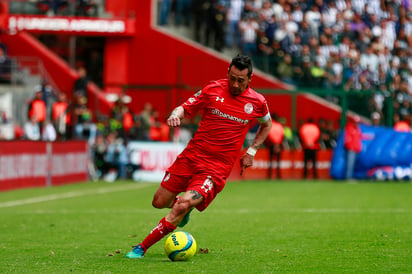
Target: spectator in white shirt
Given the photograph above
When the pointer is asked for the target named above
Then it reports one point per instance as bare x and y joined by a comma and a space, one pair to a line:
313, 17
48, 131
369, 60
329, 14
249, 27
32, 129
233, 17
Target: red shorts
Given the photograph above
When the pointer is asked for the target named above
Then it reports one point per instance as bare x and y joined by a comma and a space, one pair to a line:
206, 183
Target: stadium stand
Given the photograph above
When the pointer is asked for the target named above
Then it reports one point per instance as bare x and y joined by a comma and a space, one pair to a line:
358, 46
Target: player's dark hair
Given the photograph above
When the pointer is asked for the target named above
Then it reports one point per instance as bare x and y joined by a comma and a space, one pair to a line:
241, 62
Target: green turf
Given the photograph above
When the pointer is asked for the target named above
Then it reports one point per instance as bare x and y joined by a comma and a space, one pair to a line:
252, 227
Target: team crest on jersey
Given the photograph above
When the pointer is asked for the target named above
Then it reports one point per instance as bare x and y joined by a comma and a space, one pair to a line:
248, 108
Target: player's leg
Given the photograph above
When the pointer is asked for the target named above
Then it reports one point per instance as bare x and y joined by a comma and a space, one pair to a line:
314, 164
158, 232
166, 225
164, 198
199, 194
179, 215
305, 162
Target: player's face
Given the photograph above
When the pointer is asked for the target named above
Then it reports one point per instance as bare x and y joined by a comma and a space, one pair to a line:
238, 80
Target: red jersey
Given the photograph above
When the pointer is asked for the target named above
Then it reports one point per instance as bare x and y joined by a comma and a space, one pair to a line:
38, 108
310, 134
353, 137
225, 122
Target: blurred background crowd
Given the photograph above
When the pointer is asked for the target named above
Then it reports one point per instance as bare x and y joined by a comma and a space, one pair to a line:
358, 46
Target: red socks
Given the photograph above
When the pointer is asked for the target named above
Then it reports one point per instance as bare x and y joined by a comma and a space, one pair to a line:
157, 233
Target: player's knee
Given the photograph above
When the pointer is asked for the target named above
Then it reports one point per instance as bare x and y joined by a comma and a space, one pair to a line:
158, 202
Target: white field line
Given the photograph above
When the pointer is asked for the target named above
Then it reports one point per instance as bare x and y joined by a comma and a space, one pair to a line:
71, 194
316, 210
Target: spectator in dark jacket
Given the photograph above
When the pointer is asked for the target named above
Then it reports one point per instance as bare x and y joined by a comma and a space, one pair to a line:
80, 85
5, 67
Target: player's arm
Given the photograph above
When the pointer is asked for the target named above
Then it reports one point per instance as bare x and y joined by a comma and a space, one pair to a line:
263, 131
176, 116
262, 134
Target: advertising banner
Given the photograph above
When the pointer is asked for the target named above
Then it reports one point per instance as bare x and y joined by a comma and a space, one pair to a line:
34, 164
71, 25
22, 164
152, 159
386, 155
69, 162
291, 166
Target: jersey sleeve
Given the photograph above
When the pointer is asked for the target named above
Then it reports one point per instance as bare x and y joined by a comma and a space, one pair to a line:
195, 103
265, 113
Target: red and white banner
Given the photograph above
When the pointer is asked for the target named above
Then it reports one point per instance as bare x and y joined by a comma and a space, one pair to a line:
291, 166
72, 25
69, 162
34, 164
154, 158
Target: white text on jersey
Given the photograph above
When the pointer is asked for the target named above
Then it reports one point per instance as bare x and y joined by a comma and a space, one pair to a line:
228, 116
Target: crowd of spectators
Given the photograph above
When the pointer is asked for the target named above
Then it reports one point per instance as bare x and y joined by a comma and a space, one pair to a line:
361, 46
66, 7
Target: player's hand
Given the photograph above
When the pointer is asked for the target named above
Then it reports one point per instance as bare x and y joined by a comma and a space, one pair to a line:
245, 161
173, 121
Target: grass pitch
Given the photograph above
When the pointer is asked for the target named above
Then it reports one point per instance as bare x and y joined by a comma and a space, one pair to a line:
251, 227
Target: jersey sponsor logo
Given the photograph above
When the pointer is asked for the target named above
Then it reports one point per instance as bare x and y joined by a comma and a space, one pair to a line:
248, 108
228, 116
220, 99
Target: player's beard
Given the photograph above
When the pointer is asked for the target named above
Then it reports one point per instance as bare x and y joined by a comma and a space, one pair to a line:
235, 91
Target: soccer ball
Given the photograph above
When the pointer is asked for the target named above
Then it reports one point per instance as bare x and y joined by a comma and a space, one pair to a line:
180, 246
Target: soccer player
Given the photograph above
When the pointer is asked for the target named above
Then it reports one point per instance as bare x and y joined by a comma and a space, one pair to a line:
201, 170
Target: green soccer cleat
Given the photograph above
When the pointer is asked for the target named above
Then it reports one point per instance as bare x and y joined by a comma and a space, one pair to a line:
185, 220
136, 253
